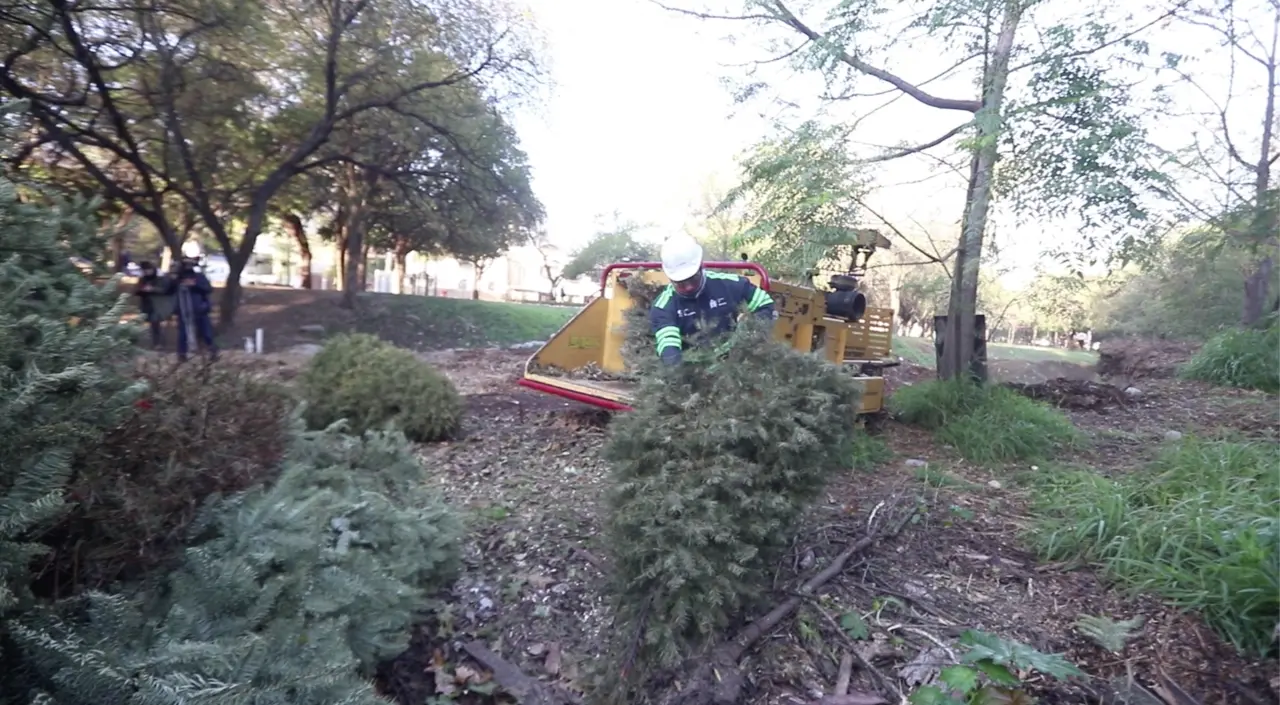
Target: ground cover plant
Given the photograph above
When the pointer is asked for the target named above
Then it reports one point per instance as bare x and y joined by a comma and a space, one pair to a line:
987, 423
1248, 358
1198, 526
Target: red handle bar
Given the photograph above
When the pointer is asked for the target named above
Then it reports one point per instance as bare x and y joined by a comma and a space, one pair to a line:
609, 269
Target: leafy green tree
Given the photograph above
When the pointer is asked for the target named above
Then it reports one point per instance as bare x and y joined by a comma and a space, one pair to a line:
1042, 98
1188, 288
1061, 303
797, 199
1232, 158
718, 229
192, 116
617, 243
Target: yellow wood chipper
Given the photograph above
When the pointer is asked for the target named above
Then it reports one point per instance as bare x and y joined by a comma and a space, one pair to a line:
837, 323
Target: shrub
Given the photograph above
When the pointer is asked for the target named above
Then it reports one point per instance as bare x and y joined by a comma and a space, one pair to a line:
288, 595
370, 383
1248, 358
1198, 526
198, 433
709, 473
987, 423
62, 344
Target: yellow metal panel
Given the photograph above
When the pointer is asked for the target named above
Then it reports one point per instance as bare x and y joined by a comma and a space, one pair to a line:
580, 342
872, 394
872, 337
835, 340
798, 302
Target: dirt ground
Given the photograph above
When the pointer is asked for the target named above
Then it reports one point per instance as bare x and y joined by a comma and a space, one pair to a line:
527, 472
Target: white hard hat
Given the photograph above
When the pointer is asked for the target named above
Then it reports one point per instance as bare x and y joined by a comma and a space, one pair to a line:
681, 257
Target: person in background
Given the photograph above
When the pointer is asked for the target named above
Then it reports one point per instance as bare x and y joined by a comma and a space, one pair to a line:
150, 285
193, 304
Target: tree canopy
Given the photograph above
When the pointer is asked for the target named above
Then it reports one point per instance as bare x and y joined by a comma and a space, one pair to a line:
618, 242
201, 114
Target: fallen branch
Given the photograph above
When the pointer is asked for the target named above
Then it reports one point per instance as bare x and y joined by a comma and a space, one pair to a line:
718, 681
844, 674
526, 690
886, 685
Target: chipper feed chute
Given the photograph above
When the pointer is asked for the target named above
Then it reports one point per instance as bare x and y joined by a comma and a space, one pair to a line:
583, 360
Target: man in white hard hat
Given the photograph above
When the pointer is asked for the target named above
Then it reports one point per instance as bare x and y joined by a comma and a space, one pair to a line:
698, 301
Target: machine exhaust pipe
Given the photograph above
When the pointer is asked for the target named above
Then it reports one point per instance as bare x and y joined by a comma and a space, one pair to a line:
849, 305
846, 301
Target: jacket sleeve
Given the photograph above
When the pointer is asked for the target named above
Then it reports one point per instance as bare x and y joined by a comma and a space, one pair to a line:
757, 300
666, 333
203, 285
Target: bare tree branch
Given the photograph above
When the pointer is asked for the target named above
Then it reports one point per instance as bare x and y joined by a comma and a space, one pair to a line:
908, 151
710, 16
939, 260
780, 13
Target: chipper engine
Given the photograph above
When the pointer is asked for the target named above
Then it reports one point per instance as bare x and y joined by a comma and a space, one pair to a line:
584, 362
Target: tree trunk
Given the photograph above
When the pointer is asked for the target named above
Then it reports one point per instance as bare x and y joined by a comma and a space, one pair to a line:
364, 266
293, 222
1257, 291
355, 247
230, 302
479, 272
401, 257
237, 259
1263, 225
957, 353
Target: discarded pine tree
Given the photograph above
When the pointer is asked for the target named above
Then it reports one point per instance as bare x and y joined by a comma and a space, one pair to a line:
710, 472
289, 594
371, 384
63, 346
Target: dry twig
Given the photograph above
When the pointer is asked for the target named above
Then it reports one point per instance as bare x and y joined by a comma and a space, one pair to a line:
718, 680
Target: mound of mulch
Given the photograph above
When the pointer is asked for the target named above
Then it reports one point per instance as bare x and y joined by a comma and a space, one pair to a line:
1143, 358
1078, 394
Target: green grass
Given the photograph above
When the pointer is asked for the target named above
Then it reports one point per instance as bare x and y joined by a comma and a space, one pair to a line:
867, 451
1243, 358
986, 424
468, 323
919, 351
1199, 527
